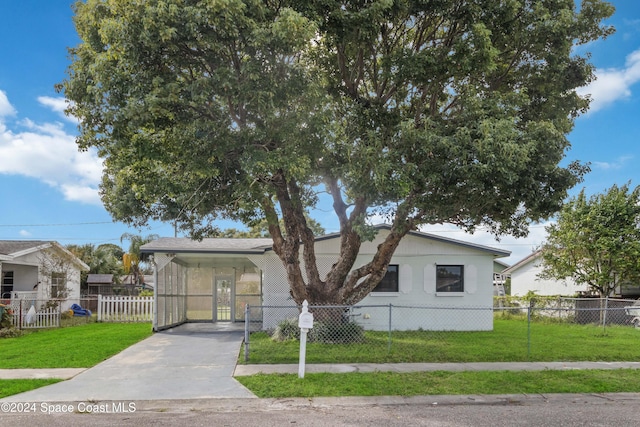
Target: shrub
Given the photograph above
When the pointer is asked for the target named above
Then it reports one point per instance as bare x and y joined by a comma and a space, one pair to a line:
10, 332
286, 330
336, 333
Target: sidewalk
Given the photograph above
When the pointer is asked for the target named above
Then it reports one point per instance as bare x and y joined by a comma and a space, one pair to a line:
244, 370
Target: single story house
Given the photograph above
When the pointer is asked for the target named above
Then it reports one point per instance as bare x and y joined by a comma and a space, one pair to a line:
525, 278
39, 271
100, 284
212, 281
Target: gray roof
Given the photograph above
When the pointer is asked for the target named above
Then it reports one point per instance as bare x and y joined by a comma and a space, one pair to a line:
100, 278
223, 245
524, 261
241, 245
8, 247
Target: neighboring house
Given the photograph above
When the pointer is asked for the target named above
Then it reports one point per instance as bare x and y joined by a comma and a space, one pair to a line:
524, 279
39, 271
129, 282
104, 284
100, 284
212, 280
499, 279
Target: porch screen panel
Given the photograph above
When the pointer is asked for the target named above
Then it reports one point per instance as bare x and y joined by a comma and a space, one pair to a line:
170, 296
248, 291
199, 297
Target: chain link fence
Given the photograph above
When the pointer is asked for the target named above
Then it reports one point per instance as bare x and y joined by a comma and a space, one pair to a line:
558, 329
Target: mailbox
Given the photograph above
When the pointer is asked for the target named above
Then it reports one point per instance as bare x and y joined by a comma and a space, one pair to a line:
305, 320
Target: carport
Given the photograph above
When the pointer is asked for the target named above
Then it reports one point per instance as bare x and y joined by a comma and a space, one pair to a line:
205, 281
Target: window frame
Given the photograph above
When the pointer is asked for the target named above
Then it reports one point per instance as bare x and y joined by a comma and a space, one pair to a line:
460, 283
6, 285
389, 277
58, 285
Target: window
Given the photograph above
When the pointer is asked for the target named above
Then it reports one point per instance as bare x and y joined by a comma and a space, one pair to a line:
389, 282
6, 287
58, 285
449, 278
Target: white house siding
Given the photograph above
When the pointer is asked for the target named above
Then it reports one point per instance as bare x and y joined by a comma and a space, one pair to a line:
27, 274
417, 258
525, 278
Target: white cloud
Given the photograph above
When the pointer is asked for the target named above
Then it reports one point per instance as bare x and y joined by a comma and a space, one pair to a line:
613, 84
6, 109
58, 105
24, 233
619, 163
47, 153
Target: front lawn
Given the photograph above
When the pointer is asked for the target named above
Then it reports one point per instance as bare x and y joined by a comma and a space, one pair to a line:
508, 342
79, 346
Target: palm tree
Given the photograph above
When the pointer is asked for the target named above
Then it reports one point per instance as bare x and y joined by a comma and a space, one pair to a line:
133, 261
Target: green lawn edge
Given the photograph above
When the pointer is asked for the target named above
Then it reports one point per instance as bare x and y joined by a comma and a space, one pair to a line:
442, 383
11, 387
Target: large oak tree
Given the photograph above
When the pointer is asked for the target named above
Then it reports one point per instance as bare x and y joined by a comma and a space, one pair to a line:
420, 111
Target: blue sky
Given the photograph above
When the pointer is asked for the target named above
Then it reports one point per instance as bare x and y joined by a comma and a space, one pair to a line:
48, 190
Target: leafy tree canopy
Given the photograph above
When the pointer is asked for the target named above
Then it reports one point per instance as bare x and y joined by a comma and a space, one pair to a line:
596, 240
418, 111
104, 259
261, 230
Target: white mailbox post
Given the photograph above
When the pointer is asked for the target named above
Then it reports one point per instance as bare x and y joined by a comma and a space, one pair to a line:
305, 322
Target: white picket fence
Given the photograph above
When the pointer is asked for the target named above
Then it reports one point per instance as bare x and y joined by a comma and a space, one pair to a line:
124, 309
38, 318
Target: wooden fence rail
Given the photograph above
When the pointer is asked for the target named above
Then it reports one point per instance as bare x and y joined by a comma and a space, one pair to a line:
125, 309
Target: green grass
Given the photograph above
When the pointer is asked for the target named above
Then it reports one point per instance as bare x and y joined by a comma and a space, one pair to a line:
441, 383
79, 346
11, 387
507, 342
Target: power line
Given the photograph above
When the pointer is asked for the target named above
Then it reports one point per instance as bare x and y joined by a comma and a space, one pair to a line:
56, 225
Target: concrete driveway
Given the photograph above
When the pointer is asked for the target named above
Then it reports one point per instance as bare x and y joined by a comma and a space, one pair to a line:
192, 361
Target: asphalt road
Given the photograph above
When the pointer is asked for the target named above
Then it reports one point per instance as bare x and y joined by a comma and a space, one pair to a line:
618, 410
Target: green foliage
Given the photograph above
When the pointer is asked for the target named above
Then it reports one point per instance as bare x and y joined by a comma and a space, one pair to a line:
336, 333
146, 293
596, 240
103, 259
417, 112
286, 330
322, 332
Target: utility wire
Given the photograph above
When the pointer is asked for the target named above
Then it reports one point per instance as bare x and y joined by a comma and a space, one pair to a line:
55, 225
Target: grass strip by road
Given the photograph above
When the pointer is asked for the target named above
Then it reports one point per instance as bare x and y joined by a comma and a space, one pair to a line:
442, 383
11, 387
79, 346
507, 342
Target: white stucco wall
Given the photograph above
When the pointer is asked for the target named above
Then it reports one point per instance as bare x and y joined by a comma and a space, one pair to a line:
525, 278
30, 273
417, 258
